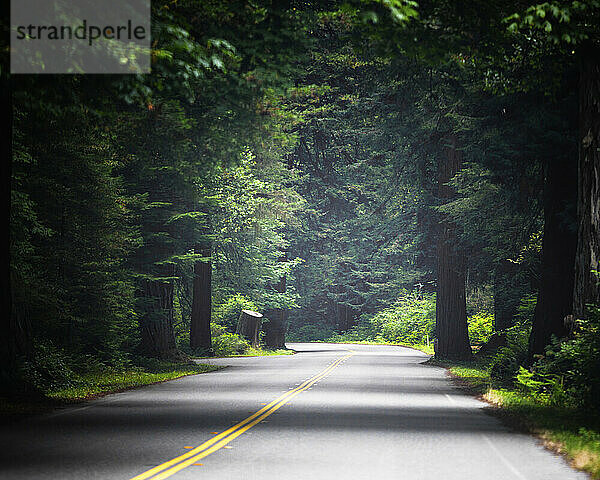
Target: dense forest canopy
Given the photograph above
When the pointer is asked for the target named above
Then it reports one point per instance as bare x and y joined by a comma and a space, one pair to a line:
419, 172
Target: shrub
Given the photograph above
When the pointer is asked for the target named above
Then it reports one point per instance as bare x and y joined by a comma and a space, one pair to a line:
226, 343
227, 313
310, 333
480, 327
505, 364
48, 367
575, 363
410, 320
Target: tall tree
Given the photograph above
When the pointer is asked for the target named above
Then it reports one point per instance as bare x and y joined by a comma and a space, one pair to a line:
451, 317
555, 297
587, 286
200, 334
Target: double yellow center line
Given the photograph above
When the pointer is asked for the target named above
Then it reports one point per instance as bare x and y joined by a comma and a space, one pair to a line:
171, 467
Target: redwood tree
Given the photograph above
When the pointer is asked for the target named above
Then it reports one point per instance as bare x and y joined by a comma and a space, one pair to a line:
555, 294
200, 335
587, 287
450, 315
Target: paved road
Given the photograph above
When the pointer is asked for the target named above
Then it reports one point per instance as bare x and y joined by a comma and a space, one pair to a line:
323, 414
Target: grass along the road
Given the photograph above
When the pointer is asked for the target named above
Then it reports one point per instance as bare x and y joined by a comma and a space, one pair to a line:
254, 352
265, 352
93, 384
96, 383
576, 434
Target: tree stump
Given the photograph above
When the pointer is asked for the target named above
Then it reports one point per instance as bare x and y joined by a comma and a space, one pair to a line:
275, 328
249, 326
200, 336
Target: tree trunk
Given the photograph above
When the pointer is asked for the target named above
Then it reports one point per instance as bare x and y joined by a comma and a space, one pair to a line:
450, 309
156, 326
555, 295
200, 336
276, 326
249, 326
15, 342
586, 288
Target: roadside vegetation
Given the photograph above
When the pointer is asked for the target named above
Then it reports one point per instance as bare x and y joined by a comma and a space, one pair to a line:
75, 384
555, 397
409, 321
92, 384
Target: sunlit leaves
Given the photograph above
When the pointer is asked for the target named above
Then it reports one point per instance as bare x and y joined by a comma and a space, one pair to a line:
564, 22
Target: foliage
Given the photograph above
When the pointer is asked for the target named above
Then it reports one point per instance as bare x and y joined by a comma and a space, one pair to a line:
49, 368
569, 373
113, 380
410, 320
226, 343
227, 314
505, 364
310, 332
480, 327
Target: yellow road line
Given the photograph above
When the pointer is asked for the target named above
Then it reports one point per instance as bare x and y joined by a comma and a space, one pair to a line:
171, 467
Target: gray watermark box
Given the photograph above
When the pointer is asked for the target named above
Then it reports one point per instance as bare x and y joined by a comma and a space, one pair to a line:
80, 36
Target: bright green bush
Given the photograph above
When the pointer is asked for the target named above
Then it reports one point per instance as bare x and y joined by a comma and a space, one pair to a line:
226, 343
227, 313
410, 320
480, 327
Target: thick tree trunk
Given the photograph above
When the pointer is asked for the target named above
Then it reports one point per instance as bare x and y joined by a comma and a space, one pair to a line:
586, 288
276, 326
450, 310
156, 326
249, 326
200, 336
555, 295
17, 344
14, 344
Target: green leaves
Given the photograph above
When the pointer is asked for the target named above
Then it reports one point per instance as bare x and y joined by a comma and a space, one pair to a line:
401, 10
564, 22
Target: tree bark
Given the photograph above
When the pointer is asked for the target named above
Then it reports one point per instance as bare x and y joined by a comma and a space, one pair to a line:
200, 335
17, 328
450, 309
156, 326
276, 326
249, 326
586, 287
555, 294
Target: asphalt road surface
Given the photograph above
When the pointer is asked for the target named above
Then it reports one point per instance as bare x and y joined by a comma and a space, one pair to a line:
329, 412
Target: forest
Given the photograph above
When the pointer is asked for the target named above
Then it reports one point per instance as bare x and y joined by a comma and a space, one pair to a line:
423, 173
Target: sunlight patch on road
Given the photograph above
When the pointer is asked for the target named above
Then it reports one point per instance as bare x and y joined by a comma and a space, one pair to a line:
173, 466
